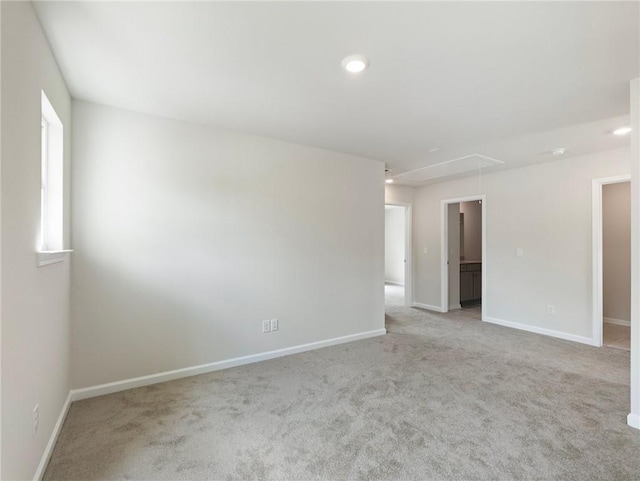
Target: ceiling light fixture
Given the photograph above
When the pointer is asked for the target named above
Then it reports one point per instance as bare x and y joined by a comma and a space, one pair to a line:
355, 63
622, 131
389, 181
558, 151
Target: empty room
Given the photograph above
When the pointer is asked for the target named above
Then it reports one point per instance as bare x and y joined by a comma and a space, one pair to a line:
319, 240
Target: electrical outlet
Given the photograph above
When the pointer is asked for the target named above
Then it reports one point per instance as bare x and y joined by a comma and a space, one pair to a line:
551, 310
36, 418
266, 326
274, 324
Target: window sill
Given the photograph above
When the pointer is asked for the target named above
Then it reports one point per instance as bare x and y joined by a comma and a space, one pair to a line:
45, 258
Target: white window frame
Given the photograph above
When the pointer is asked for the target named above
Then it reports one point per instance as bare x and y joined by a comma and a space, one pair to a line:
44, 155
50, 245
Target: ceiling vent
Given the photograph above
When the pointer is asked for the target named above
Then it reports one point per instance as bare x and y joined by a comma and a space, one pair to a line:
468, 163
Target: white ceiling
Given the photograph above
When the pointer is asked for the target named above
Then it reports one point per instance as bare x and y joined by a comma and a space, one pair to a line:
505, 80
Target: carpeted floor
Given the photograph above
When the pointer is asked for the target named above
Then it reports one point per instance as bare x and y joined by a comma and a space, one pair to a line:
439, 397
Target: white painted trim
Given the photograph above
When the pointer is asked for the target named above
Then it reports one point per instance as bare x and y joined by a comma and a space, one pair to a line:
444, 241
596, 252
633, 420
394, 283
634, 372
485, 300
444, 256
427, 306
48, 451
596, 261
617, 322
44, 258
541, 330
112, 387
408, 250
1, 396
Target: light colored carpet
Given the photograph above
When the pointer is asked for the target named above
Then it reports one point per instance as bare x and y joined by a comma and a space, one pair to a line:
439, 397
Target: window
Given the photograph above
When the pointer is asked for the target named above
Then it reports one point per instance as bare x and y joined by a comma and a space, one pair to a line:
50, 248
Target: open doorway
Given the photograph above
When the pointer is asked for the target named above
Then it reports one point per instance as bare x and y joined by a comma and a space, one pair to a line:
398, 272
463, 259
471, 254
612, 262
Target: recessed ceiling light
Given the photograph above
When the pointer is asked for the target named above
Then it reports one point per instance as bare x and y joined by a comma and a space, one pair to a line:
622, 131
389, 181
558, 151
355, 63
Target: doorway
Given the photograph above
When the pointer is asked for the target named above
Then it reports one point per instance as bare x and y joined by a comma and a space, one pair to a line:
463, 254
471, 254
398, 245
612, 262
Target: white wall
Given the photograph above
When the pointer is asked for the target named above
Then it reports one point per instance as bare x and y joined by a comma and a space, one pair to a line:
187, 237
35, 301
546, 210
616, 251
398, 193
472, 230
394, 244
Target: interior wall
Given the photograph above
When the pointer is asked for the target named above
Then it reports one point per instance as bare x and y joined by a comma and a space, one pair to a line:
616, 251
35, 300
398, 193
472, 230
188, 237
546, 210
394, 244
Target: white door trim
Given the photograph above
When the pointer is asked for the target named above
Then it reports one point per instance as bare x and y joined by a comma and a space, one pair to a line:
596, 235
408, 250
444, 242
634, 415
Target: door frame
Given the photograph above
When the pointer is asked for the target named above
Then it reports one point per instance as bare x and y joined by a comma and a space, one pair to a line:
597, 252
408, 249
444, 245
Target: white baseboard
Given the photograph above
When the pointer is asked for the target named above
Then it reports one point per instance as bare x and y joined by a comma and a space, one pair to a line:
457, 306
541, 330
427, 306
48, 451
617, 322
93, 391
394, 283
633, 420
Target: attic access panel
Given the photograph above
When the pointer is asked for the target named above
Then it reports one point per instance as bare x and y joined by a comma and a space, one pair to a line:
461, 165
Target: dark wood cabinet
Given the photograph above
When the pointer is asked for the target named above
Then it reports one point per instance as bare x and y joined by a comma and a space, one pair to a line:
470, 281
